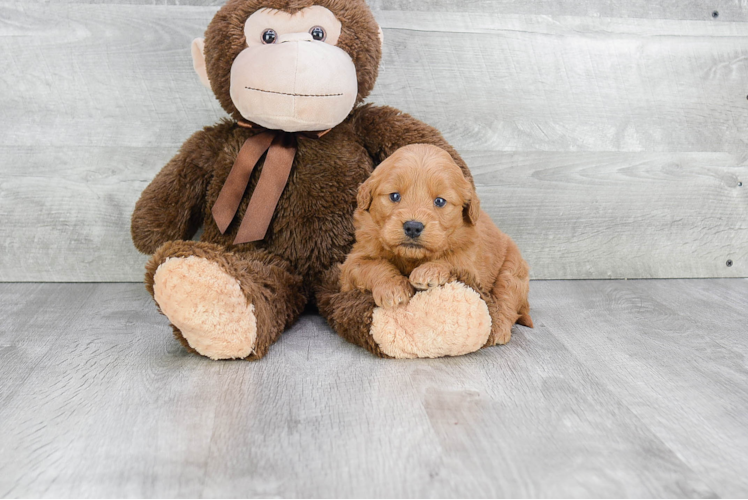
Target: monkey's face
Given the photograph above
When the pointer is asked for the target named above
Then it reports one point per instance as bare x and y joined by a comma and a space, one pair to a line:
292, 76
292, 65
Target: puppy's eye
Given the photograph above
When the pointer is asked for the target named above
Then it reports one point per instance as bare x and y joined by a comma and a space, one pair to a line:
440, 202
318, 33
269, 37
395, 197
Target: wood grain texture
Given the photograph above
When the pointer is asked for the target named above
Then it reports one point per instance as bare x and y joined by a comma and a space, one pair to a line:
619, 215
574, 215
66, 211
576, 106
623, 389
681, 343
728, 10
530, 83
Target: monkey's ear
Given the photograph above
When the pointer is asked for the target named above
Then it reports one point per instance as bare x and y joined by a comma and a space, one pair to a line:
364, 195
198, 61
381, 37
471, 210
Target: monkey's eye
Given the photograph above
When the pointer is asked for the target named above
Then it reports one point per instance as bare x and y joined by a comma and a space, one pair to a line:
318, 33
440, 202
269, 37
395, 197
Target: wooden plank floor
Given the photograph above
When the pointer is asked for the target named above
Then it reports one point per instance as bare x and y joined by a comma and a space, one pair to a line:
625, 388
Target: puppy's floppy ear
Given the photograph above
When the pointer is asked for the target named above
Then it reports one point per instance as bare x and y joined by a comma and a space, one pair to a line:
364, 194
471, 208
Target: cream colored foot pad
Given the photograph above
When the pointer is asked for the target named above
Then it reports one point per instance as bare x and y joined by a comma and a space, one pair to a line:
208, 307
450, 320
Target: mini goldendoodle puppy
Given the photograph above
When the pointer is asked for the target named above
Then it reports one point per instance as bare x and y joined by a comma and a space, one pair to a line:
419, 225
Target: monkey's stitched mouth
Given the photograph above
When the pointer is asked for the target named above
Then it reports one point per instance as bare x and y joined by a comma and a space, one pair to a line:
293, 95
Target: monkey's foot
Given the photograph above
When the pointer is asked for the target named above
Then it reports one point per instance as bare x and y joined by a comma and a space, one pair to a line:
450, 320
207, 305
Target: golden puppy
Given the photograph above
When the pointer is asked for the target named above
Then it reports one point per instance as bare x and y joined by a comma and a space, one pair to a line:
419, 225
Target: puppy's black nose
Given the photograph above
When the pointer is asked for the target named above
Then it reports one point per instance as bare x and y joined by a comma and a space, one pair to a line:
413, 229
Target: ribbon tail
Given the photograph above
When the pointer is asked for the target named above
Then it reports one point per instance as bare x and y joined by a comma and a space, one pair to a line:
269, 188
230, 197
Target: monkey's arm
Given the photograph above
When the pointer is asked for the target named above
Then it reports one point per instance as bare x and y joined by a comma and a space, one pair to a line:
387, 285
171, 207
384, 130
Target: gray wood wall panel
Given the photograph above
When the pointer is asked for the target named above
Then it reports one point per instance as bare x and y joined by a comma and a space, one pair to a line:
619, 215
570, 84
607, 146
728, 10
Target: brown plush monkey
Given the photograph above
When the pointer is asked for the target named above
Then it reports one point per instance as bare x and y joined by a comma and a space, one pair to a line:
275, 189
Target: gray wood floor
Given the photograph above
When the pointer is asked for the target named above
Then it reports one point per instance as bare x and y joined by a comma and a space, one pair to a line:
625, 388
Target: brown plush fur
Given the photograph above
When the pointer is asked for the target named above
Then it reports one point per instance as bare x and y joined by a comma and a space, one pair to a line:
458, 239
265, 280
312, 228
349, 313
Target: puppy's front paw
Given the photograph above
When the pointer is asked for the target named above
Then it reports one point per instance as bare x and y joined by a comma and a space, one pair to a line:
430, 275
392, 293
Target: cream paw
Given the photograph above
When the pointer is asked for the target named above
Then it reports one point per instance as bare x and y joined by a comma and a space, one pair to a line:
208, 307
450, 320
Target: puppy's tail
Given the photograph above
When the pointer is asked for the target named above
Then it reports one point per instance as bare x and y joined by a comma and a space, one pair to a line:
524, 316
526, 320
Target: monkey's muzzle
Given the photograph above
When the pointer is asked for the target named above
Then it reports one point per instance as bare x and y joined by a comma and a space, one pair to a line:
295, 85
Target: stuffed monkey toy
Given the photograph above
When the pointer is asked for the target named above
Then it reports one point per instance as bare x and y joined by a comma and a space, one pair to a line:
275, 186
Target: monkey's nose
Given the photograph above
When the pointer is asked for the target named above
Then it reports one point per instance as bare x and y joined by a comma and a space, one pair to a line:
296, 37
413, 229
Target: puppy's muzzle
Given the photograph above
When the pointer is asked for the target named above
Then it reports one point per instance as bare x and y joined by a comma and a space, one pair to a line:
413, 229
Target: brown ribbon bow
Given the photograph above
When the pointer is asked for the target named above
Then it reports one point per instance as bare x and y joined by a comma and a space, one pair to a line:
281, 151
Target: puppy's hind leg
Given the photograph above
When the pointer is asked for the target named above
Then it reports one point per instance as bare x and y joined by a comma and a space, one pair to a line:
509, 304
